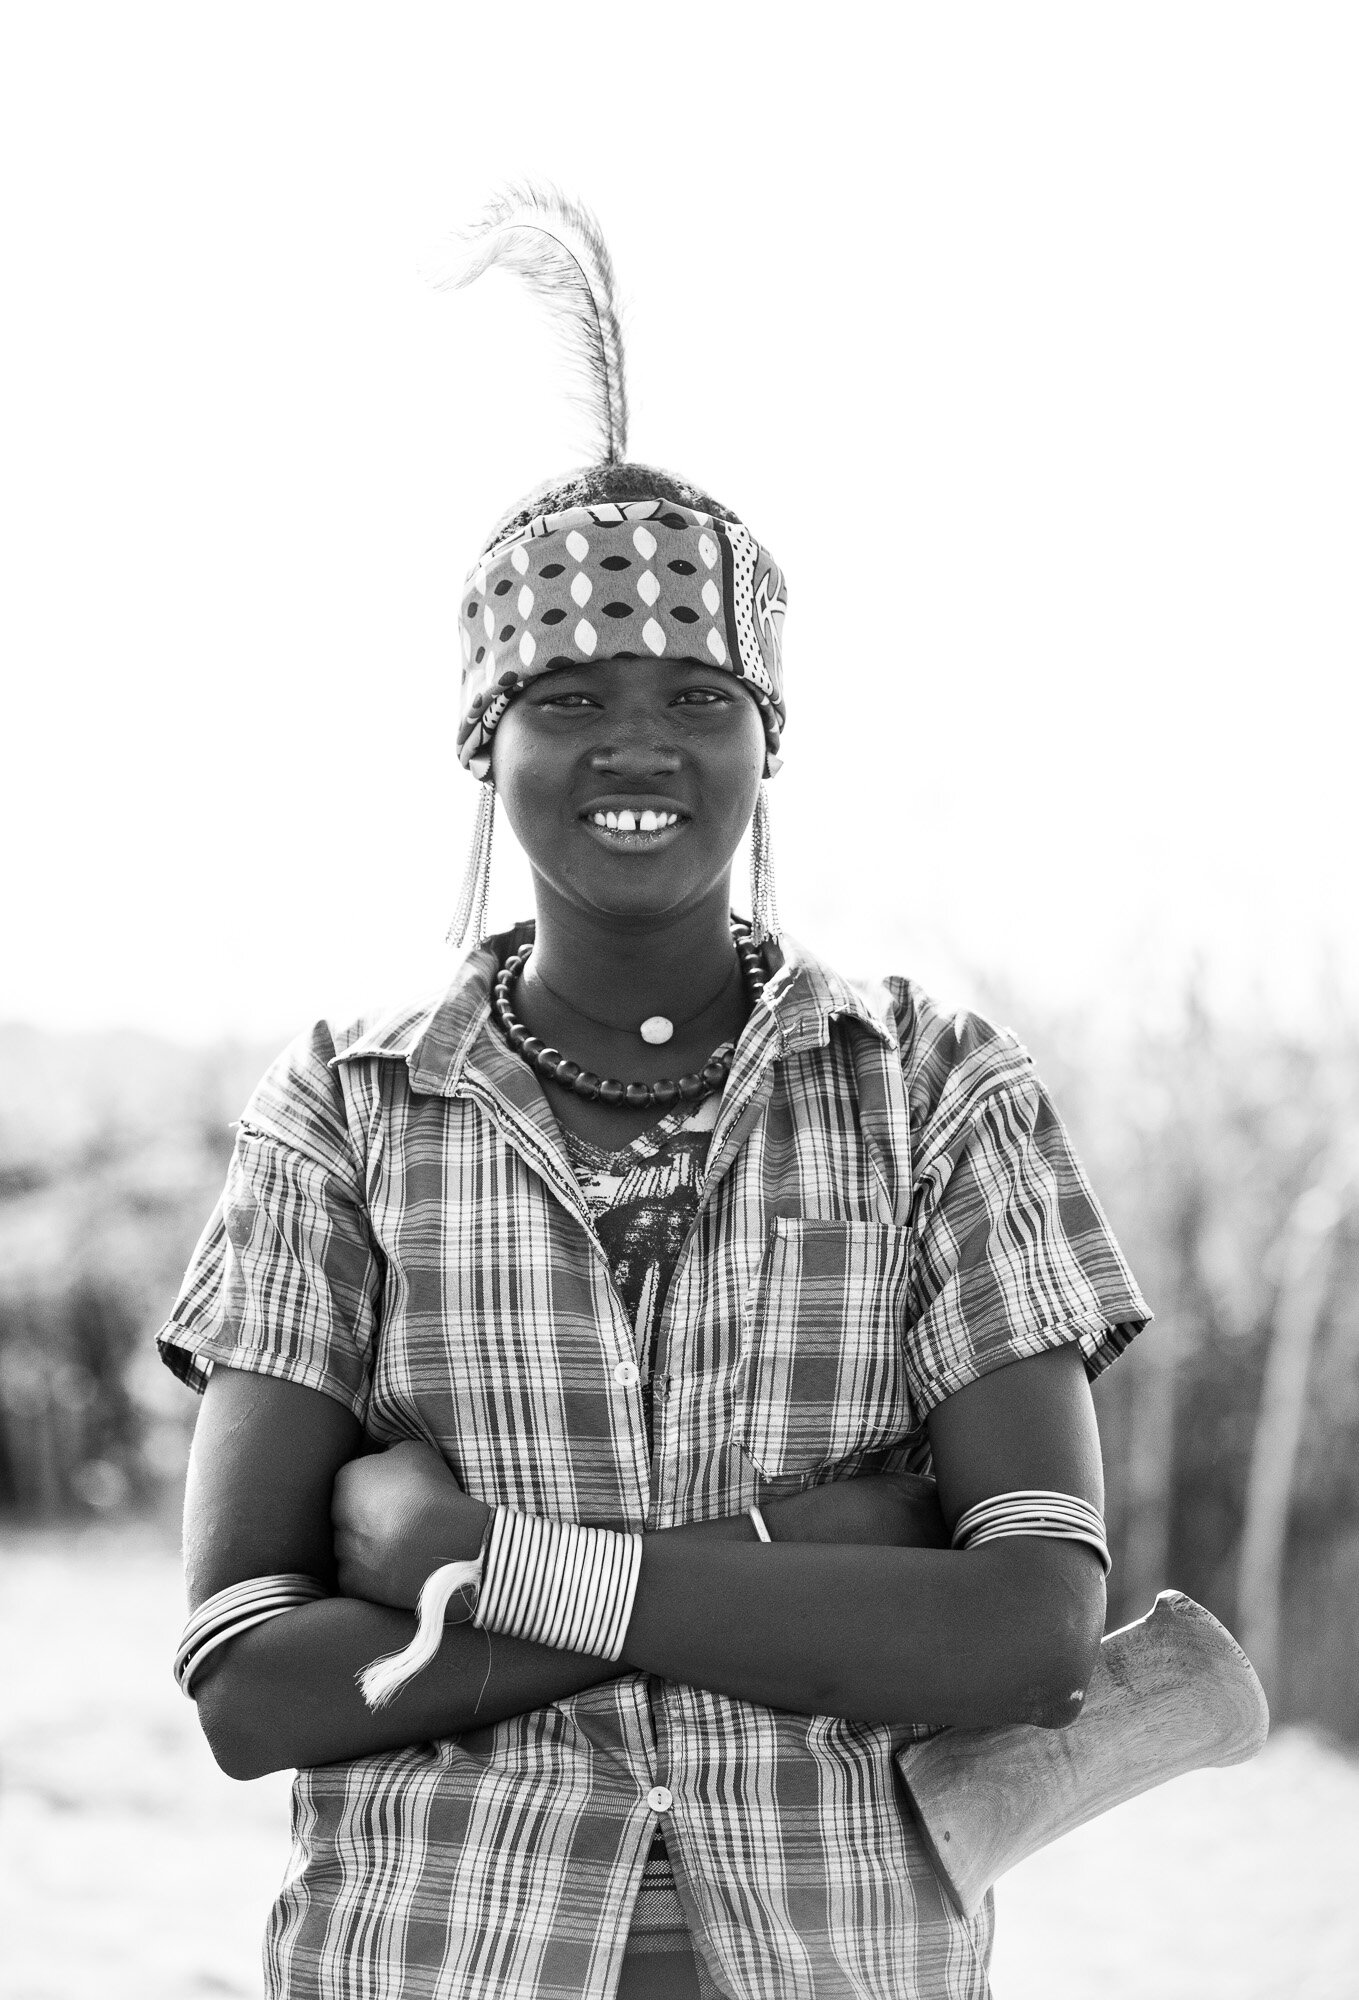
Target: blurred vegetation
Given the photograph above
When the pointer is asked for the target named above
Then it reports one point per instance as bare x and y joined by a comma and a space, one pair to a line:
1226, 1153
1227, 1156
112, 1152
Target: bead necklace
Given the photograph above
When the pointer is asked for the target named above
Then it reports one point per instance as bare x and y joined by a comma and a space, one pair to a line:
661, 1094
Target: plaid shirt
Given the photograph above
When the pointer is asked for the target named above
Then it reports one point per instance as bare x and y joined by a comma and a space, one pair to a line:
891, 1208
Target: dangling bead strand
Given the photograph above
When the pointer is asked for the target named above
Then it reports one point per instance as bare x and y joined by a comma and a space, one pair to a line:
764, 908
469, 918
661, 1094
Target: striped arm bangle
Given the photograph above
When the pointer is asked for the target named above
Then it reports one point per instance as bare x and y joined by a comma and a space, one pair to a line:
1031, 1511
761, 1530
234, 1610
558, 1584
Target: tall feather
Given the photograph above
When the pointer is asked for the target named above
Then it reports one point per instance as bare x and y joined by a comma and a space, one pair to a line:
556, 246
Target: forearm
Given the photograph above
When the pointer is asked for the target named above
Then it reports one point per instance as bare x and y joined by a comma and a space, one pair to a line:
284, 1695
1004, 1634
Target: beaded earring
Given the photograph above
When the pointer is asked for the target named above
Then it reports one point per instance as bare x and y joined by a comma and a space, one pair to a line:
469, 917
764, 908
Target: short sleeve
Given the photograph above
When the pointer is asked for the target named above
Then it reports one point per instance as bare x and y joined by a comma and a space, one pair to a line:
1011, 1254
286, 1279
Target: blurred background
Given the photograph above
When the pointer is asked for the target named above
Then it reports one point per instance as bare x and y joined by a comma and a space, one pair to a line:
1025, 336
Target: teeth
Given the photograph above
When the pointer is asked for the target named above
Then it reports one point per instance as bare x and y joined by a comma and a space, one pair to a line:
630, 822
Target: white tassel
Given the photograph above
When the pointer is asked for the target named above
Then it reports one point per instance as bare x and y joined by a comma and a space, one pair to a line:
382, 1679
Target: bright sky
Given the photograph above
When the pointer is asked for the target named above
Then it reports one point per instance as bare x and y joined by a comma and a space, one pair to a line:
1024, 336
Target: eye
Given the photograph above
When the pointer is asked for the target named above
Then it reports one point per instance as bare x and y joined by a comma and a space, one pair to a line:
566, 698
703, 697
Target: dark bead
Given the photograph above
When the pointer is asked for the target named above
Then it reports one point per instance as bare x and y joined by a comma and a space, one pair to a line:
532, 1047
518, 1035
547, 1063
637, 1096
611, 1091
664, 1093
567, 1072
690, 1088
714, 1075
586, 1084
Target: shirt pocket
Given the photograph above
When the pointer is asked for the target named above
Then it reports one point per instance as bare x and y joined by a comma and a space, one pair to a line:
822, 1374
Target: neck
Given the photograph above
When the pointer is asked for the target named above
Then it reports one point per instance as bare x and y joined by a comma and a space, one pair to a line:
619, 970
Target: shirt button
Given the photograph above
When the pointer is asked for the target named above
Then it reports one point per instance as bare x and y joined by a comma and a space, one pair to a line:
659, 1799
627, 1374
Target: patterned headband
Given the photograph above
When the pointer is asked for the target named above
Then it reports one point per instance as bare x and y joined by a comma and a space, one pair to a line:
643, 577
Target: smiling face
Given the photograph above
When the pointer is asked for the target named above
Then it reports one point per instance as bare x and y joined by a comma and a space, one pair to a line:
585, 754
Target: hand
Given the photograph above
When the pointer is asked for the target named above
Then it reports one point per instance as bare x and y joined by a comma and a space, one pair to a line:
397, 1515
880, 1509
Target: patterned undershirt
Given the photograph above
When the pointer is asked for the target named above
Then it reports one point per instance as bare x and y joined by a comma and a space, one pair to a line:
642, 1201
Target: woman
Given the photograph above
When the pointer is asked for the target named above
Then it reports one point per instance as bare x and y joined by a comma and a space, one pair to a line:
649, 1240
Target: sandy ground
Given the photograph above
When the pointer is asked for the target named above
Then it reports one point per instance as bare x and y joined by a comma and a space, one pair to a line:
130, 1869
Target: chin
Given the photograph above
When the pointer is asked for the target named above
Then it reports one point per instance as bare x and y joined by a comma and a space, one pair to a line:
636, 902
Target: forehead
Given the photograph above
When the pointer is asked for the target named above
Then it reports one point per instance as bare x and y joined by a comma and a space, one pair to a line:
632, 671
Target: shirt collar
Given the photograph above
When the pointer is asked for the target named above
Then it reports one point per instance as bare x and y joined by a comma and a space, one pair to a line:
804, 996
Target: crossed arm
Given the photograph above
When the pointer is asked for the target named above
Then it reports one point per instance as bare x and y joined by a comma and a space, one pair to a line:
858, 1608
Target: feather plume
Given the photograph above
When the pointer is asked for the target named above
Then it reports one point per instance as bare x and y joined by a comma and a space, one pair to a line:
556, 246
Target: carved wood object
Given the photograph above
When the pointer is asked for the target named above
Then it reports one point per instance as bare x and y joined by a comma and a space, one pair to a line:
1170, 1694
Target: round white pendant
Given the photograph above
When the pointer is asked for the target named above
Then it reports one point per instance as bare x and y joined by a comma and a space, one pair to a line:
657, 1029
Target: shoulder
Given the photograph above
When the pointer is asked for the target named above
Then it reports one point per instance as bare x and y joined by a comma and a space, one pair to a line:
954, 1062
965, 1075
335, 1073
948, 1055
953, 1059
309, 1096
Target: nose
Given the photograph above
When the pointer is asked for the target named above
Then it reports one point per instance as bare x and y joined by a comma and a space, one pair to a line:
635, 760
637, 748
